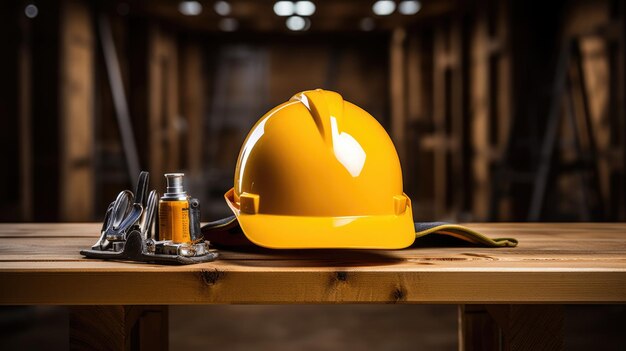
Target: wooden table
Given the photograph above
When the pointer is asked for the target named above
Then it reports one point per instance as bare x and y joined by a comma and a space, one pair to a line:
508, 297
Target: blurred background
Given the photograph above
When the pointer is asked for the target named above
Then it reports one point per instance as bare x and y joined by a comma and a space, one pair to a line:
499, 110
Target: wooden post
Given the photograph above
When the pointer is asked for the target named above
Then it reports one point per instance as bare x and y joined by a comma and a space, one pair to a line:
491, 104
449, 118
440, 105
192, 107
76, 112
119, 328
163, 111
511, 327
25, 121
398, 94
477, 329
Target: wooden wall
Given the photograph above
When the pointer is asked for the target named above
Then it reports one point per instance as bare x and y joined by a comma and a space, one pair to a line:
465, 96
473, 91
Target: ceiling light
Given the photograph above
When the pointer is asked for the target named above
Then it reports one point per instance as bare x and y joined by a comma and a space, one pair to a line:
409, 7
228, 24
384, 7
31, 11
297, 23
222, 8
284, 8
304, 8
190, 8
367, 24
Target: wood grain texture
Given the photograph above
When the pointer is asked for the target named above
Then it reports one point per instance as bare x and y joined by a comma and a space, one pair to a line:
554, 263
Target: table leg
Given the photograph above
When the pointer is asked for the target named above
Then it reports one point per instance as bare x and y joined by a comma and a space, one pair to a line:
119, 328
510, 327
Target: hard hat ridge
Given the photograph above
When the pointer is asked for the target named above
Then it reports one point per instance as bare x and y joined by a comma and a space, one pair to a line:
323, 105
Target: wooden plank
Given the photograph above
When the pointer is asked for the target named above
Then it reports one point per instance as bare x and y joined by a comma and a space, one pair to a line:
118, 327
605, 252
568, 233
301, 285
561, 263
76, 106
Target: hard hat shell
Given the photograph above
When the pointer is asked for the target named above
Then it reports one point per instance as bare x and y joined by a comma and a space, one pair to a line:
320, 172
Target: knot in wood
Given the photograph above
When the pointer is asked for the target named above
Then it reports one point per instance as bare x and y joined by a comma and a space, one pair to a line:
398, 294
341, 276
210, 277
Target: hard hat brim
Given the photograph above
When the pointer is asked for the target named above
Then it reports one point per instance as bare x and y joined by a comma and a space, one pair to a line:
308, 232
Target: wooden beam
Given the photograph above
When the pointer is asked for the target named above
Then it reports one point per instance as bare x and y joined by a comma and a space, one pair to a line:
76, 112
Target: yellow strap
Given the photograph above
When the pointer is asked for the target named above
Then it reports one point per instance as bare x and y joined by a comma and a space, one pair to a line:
467, 234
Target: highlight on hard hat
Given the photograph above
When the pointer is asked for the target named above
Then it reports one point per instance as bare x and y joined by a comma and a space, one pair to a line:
319, 172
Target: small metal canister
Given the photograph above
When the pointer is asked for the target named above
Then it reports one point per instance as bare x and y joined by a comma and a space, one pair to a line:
174, 216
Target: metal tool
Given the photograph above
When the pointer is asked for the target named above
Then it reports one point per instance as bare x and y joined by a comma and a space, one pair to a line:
128, 231
114, 224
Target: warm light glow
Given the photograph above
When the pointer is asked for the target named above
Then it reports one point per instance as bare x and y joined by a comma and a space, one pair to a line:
284, 8
296, 23
222, 8
190, 8
384, 7
228, 24
31, 11
409, 7
304, 8
367, 24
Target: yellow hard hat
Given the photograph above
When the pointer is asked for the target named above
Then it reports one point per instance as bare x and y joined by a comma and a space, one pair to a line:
320, 172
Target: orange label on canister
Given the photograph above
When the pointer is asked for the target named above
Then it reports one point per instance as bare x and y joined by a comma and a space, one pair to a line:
174, 221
